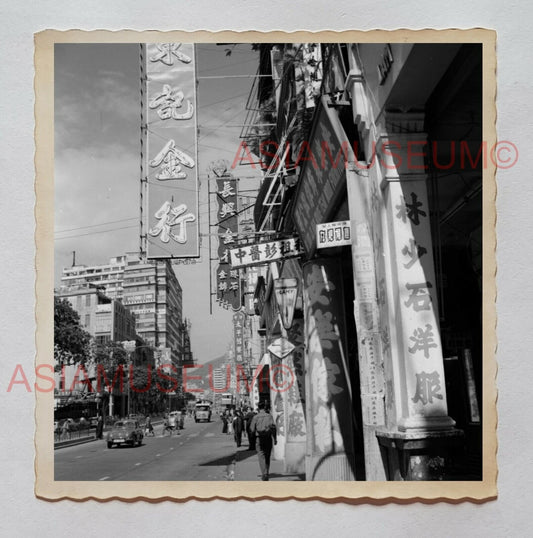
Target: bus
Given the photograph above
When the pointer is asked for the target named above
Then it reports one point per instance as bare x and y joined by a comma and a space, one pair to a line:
202, 411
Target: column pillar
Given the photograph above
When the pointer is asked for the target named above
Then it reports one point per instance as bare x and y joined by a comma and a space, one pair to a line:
422, 411
330, 446
278, 406
419, 350
294, 394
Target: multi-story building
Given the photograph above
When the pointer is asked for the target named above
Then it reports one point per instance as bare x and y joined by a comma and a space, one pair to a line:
147, 288
105, 318
151, 290
109, 276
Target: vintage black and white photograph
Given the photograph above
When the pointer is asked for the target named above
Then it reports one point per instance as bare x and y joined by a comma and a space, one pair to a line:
270, 262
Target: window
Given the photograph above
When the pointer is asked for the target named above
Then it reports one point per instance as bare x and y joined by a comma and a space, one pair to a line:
87, 320
87, 300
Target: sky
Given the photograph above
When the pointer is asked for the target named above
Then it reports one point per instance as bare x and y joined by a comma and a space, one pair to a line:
97, 163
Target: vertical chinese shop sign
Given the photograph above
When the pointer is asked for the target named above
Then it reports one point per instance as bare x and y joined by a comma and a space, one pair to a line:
171, 168
227, 279
238, 334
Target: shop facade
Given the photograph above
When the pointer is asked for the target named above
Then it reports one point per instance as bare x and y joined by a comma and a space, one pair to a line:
388, 327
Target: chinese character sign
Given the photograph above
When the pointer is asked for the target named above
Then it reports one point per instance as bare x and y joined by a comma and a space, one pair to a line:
170, 168
425, 385
238, 334
261, 253
228, 279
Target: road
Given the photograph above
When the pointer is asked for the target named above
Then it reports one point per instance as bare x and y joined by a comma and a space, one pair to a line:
200, 452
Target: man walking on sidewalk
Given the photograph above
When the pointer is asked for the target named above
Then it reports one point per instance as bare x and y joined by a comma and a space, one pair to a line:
264, 428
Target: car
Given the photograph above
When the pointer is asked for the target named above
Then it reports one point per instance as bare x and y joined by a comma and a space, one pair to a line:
125, 432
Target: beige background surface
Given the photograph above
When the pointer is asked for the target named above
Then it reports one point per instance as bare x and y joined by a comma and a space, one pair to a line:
508, 516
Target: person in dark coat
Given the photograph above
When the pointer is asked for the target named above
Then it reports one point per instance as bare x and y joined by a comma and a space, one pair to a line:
251, 435
99, 427
238, 427
224, 422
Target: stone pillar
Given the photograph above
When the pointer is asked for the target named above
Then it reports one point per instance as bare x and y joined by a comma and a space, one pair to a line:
278, 406
419, 350
330, 446
294, 394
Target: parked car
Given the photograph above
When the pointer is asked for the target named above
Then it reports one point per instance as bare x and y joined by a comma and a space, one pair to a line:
124, 432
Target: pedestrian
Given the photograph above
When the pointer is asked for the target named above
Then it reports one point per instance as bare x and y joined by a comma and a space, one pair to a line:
65, 429
248, 421
148, 427
224, 418
99, 427
230, 422
238, 426
265, 430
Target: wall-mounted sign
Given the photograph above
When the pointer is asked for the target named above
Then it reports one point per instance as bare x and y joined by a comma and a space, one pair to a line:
286, 290
261, 253
333, 234
169, 149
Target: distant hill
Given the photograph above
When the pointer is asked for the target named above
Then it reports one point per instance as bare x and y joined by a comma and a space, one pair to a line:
205, 370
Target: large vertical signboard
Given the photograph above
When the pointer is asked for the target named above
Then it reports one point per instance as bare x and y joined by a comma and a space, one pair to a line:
171, 157
228, 278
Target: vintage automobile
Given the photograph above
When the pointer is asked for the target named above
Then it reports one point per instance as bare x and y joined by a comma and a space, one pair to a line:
125, 432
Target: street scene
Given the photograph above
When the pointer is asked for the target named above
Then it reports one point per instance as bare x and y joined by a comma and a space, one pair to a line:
268, 262
199, 452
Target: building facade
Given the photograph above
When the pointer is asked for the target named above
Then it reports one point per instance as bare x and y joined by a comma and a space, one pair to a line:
379, 148
148, 289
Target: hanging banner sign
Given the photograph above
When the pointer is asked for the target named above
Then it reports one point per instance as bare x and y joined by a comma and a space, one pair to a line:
286, 290
333, 234
169, 160
229, 294
261, 253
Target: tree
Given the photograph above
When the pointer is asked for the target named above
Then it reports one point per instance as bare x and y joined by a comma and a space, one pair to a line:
71, 341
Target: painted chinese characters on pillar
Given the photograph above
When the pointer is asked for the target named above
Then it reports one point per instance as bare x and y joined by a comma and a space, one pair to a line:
425, 396
169, 106
296, 429
411, 211
428, 386
330, 408
228, 279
